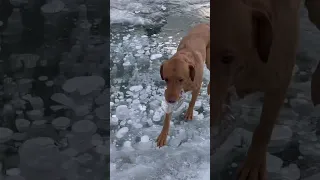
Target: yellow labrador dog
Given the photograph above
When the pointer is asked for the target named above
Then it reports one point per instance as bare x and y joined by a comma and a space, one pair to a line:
184, 72
253, 48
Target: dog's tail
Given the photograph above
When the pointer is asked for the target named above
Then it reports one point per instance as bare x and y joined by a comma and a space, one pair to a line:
315, 86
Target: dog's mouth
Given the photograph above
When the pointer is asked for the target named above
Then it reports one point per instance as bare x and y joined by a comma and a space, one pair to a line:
170, 107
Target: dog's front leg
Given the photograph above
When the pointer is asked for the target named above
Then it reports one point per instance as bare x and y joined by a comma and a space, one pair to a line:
162, 138
189, 113
254, 166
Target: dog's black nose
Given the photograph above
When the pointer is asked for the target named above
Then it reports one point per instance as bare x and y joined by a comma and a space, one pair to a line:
171, 101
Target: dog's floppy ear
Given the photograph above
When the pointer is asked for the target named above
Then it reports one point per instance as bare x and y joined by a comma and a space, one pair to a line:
161, 71
262, 32
192, 72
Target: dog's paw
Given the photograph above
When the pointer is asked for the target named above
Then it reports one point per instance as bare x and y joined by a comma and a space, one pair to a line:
189, 114
162, 139
254, 167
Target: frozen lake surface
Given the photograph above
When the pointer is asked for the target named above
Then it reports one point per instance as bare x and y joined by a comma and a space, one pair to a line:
143, 35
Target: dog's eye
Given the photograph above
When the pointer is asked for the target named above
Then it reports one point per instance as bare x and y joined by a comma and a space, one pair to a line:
180, 80
227, 59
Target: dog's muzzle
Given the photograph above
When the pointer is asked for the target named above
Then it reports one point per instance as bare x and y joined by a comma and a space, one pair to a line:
170, 107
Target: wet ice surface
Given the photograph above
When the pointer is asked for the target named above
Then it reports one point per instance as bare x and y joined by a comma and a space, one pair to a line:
137, 95
136, 113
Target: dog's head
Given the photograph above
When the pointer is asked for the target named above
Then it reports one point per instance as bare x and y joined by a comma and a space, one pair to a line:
176, 72
241, 35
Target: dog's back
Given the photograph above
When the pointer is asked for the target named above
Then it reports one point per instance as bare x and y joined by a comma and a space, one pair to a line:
197, 39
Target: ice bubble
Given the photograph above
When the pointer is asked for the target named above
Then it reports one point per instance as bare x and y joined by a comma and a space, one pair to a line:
144, 143
19, 136
83, 84
126, 63
42, 78
136, 88
122, 132
39, 124
114, 120
310, 149
49, 83
22, 125
127, 146
142, 108
33, 153
35, 114
274, 163
197, 105
63, 99
6, 134
291, 172
122, 123
200, 117
157, 115
13, 172
144, 138
155, 56
281, 135
84, 126
137, 125
122, 112
61, 123
36, 102
136, 102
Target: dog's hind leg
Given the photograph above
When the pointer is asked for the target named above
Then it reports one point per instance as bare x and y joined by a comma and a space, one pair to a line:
313, 7
315, 86
189, 113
